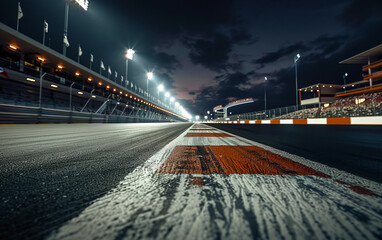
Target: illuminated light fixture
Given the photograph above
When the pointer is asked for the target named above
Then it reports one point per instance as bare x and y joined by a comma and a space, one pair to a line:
77, 74
93, 96
60, 67
120, 92
13, 47
100, 83
41, 59
330, 86
131, 96
172, 99
83, 3
326, 105
31, 80
89, 79
318, 90
114, 89
352, 85
80, 93
305, 90
54, 86
323, 85
150, 75
126, 95
130, 54
107, 86
316, 85
160, 87
117, 103
167, 94
135, 98
311, 90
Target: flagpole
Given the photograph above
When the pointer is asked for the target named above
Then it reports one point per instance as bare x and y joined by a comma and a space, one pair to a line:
18, 14
90, 62
78, 54
43, 36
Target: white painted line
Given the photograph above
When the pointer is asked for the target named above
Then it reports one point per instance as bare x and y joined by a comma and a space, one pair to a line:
317, 121
377, 120
286, 121
265, 121
252, 122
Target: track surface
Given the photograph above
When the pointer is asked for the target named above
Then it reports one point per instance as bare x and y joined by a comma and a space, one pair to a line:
50, 173
354, 149
173, 181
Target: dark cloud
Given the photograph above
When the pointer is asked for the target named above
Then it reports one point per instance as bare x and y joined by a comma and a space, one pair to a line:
359, 12
282, 52
191, 93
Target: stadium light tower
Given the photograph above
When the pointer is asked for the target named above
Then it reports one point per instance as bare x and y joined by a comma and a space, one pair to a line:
265, 94
84, 4
296, 58
129, 56
167, 95
149, 77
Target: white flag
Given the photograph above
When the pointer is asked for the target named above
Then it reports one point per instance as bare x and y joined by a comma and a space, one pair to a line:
102, 66
66, 41
79, 51
132, 85
20, 13
121, 78
45, 26
116, 74
91, 57
109, 70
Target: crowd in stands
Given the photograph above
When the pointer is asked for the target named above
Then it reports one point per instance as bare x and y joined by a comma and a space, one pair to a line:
369, 104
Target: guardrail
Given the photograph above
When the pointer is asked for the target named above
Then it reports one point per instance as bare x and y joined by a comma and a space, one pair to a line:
24, 114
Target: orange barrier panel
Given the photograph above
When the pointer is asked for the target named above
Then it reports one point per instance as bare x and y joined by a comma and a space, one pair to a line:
232, 160
300, 121
338, 121
246, 122
275, 121
258, 122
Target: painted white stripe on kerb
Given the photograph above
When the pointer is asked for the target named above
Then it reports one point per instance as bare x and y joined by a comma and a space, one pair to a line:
252, 122
286, 121
265, 121
366, 120
242, 122
317, 121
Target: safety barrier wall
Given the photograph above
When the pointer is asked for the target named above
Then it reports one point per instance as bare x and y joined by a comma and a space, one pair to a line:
23, 114
376, 120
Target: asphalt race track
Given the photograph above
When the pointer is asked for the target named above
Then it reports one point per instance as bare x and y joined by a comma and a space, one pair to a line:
176, 181
50, 173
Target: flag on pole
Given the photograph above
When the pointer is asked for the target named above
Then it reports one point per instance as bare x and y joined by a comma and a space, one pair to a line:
79, 51
66, 41
2, 71
91, 57
121, 78
116, 74
45, 26
109, 70
102, 66
20, 13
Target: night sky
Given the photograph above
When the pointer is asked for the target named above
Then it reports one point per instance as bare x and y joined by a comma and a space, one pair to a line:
209, 52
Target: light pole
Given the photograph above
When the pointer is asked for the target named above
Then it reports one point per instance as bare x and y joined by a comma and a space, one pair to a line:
265, 94
160, 89
129, 56
344, 77
296, 58
70, 98
167, 95
149, 77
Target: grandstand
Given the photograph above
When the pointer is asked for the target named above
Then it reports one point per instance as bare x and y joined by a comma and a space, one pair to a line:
361, 98
35, 76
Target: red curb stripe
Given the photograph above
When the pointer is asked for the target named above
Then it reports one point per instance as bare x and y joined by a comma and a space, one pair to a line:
196, 134
338, 121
